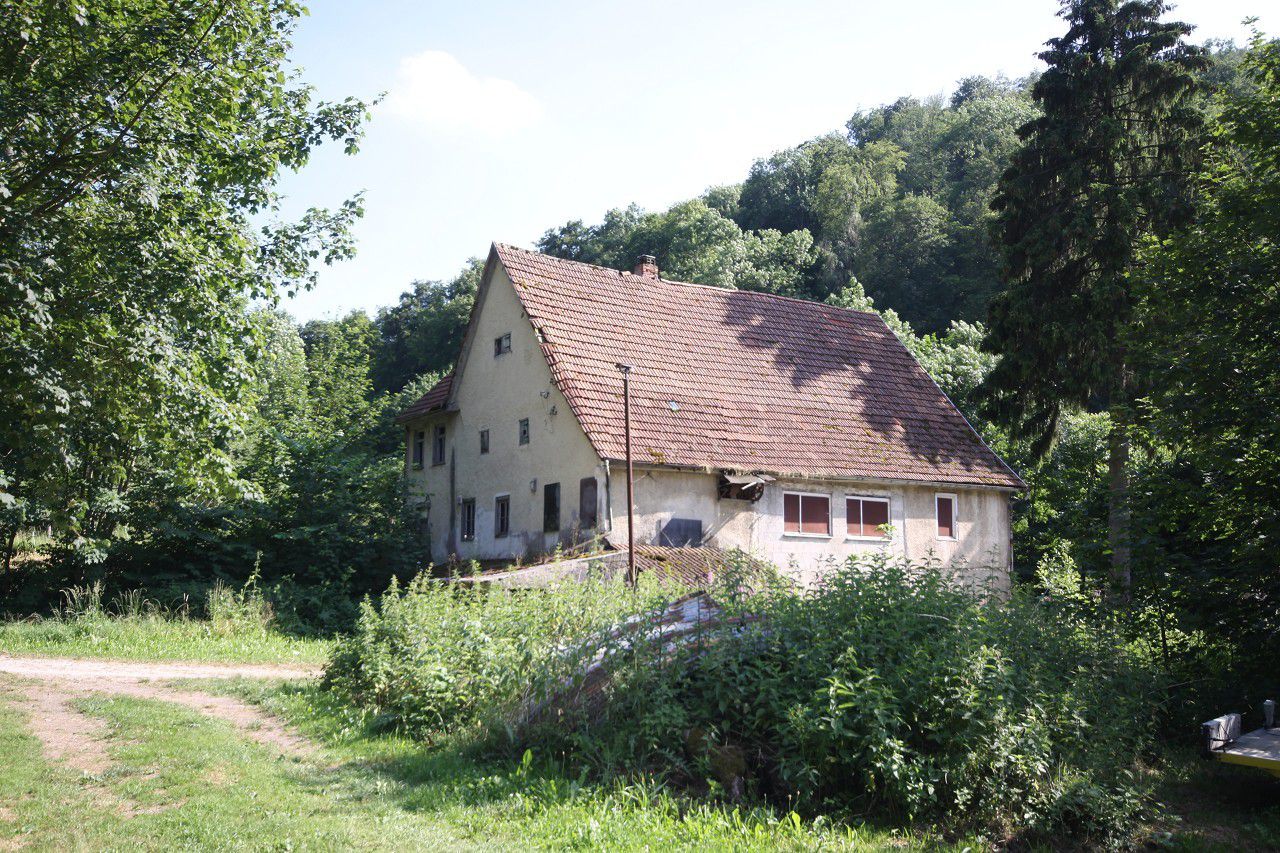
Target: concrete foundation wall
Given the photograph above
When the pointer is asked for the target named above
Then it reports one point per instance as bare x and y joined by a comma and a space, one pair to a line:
494, 393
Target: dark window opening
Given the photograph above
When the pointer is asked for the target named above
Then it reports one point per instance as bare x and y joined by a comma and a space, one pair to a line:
551, 507
524, 430
502, 344
437, 446
587, 503
809, 514
946, 517
484, 441
468, 519
501, 516
419, 448
866, 516
681, 532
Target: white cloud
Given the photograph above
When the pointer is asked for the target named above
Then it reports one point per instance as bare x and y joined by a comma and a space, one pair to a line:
434, 90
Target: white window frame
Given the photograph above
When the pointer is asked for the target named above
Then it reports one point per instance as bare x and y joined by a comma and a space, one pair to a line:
955, 516
857, 537
800, 534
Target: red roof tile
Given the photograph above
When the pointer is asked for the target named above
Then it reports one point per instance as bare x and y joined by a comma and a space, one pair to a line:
745, 381
432, 401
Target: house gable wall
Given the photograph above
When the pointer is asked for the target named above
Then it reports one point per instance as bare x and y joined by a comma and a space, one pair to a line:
495, 393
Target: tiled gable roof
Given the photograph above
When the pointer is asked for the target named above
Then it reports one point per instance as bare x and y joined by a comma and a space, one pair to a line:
743, 381
433, 401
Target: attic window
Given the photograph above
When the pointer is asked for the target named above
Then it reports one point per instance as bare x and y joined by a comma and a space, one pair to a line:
806, 515
502, 345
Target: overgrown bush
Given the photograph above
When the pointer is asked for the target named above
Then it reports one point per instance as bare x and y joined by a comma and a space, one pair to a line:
436, 656
892, 689
888, 690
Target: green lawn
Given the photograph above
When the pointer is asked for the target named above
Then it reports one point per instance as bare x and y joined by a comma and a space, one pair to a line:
155, 638
182, 780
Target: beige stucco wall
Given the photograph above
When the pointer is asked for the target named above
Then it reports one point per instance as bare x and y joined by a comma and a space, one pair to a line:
494, 393
981, 547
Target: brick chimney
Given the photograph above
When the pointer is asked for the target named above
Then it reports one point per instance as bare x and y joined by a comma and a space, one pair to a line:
647, 266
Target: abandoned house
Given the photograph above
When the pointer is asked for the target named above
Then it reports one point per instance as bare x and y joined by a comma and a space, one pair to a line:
793, 430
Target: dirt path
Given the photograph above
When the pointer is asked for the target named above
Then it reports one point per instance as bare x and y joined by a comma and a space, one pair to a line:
46, 689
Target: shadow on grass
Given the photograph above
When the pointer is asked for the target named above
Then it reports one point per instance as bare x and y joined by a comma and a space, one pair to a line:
463, 773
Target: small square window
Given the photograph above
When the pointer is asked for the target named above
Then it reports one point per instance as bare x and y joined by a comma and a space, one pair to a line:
469, 520
437, 446
502, 345
501, 516
946, 506
808, 515
484, 441
524, 430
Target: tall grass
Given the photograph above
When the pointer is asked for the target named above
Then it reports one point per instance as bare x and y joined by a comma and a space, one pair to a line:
232, 625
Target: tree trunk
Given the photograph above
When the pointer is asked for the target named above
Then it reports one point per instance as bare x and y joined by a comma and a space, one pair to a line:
1118, 509
8, 547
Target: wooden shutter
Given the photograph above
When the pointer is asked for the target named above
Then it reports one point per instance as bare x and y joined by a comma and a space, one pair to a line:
946, 517
587, 503
791, 513
874, 514
551, 507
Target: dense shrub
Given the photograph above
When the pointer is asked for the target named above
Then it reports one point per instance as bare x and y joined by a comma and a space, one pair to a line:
888, 690
438, 655
893, 689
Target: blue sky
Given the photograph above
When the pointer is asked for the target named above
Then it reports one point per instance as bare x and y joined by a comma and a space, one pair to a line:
503, 119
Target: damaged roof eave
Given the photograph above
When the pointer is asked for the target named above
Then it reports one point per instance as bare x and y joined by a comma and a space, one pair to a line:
801, 475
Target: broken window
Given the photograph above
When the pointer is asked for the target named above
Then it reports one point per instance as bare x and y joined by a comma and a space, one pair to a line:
468, 519
681, 532
808, 515
502, 345
866, 517
946, 506
501, 516
437, 446
419, 447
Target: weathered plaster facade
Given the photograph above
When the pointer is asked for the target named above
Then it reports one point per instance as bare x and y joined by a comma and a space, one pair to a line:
982, 540
495, 392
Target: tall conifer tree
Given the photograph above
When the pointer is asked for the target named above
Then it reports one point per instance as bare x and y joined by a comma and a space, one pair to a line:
1106, 164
